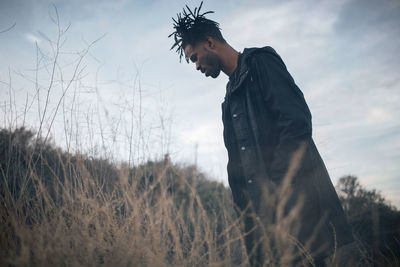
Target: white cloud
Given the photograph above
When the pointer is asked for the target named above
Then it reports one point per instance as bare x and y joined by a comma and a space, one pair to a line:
33, 38
379, 115
202, 133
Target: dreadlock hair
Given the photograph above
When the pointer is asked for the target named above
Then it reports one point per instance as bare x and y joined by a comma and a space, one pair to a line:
192, 27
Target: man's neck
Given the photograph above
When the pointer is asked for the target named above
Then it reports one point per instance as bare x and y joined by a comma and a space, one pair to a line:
229, 59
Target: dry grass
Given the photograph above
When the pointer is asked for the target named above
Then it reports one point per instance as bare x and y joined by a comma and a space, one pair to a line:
59, 209
148, 216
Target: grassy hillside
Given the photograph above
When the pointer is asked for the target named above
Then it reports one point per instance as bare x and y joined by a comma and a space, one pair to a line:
59, 209
63, 209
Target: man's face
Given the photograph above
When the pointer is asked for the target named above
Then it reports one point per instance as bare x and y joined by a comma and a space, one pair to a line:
206, 60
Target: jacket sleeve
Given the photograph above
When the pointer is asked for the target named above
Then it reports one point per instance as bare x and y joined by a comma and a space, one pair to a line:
286, 103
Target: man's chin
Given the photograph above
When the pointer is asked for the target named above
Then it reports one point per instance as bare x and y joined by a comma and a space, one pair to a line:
215, 74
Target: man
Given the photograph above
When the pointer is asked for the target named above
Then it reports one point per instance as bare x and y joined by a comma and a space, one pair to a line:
275, 171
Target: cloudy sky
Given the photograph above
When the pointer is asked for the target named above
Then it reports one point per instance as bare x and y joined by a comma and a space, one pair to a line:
343, 54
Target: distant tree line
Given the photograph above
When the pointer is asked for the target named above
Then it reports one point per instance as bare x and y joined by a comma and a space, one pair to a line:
375, 222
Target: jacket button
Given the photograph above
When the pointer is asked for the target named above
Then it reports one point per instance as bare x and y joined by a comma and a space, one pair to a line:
234, 115
243, 148
249, 181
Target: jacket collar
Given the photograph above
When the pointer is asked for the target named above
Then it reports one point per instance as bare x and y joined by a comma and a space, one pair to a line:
240, 73
242, 70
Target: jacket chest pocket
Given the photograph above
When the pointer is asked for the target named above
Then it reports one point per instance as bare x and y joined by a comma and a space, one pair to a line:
239, 118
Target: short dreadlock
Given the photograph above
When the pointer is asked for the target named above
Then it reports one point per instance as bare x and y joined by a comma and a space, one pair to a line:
192, 27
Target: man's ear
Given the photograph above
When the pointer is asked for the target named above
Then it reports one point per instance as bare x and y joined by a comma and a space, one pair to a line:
210, 42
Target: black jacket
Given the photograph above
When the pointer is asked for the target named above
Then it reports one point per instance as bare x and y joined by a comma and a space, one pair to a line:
266, 119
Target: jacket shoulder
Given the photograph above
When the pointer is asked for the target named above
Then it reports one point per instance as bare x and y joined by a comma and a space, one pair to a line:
255, 50
266, 55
